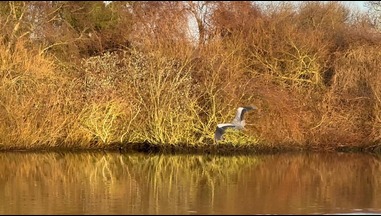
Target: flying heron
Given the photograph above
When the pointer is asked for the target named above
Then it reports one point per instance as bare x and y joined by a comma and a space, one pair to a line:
237, 123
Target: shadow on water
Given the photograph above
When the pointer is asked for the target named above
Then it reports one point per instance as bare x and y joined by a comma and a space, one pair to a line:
113, 183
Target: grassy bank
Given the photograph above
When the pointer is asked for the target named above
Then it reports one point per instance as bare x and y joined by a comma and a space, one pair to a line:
312, 70
226, 149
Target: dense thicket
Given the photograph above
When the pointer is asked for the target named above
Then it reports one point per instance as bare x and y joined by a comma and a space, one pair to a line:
91, 73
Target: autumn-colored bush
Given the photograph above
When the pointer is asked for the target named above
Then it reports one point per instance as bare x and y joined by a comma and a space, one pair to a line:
93, 73
351, 106
33, 105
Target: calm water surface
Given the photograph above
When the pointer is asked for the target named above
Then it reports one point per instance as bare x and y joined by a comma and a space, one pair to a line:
113, 183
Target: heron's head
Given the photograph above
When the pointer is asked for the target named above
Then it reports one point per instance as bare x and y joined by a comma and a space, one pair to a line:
251, 107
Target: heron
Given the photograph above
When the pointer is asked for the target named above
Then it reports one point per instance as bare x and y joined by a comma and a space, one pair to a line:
238, 122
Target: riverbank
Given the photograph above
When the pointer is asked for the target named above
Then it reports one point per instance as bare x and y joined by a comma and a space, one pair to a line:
219, 149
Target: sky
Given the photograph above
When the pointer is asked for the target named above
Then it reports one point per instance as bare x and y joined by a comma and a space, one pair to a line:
357, 4
360, 5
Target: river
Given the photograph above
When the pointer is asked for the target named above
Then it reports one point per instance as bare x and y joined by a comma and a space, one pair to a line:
136, 183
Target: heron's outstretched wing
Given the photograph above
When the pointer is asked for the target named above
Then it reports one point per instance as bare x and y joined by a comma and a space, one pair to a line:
218, 133
220, 130
237, 123
241, 111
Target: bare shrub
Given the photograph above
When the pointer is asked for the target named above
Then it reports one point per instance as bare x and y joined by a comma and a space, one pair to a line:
351, 106
167, 101
32, 102
108, 106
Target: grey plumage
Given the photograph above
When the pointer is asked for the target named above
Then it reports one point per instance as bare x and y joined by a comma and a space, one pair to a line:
237, 123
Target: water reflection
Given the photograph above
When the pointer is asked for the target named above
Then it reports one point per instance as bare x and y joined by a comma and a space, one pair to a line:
113, 183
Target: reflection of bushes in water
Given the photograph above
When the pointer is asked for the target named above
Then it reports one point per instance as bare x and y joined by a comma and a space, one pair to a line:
65, 172
111, 166
325, 176
134, 178
167, 174
157, 175
166, 180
